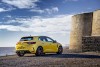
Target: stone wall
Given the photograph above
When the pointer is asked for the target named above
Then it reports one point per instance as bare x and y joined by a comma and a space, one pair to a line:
91, 43
85, 32
96, 23
81, 26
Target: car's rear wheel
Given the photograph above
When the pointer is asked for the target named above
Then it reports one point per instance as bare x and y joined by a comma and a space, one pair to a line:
39, 51
60, 50
20, 54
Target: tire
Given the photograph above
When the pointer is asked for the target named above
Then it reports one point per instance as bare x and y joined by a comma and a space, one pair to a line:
39, 51
60, 50
20, 54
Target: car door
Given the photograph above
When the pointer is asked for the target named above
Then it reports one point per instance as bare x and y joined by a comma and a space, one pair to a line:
45, 44
52, 45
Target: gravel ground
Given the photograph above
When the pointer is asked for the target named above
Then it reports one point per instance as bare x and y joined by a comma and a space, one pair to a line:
87, 59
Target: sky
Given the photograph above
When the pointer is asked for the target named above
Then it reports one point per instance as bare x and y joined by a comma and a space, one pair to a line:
51, 18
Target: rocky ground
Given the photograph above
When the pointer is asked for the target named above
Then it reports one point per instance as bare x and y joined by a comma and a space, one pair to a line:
67, 59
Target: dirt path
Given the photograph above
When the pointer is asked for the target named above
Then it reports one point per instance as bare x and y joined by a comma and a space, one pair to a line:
52, 60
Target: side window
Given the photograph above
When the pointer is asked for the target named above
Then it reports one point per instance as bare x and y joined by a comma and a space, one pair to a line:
49, 39
42, 39
26, 38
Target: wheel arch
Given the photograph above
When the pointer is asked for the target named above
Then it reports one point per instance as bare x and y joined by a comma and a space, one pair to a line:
39, 46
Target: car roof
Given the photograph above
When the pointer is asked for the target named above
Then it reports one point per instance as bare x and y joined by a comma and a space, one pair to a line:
34, 36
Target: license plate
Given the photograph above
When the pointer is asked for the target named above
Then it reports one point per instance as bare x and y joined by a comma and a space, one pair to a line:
21, 47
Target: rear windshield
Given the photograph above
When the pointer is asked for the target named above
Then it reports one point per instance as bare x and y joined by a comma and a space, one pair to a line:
26, 38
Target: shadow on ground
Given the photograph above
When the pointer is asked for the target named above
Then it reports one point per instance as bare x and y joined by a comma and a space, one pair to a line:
67, 56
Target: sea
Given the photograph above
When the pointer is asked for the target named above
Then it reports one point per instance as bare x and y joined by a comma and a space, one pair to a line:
4, 51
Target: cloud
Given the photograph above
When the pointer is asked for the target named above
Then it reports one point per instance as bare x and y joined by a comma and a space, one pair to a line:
54, 9
71, 0
47, 10
21, 3
8, 16
4, 10
31, 4
37, 10
56, 24
10, 27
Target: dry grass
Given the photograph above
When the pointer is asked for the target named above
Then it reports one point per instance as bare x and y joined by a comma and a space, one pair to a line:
67, 59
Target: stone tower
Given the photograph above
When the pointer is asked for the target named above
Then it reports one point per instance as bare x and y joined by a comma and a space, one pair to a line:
81, 26
96, 23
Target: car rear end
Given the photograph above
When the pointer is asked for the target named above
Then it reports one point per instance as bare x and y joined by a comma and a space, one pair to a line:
26, 45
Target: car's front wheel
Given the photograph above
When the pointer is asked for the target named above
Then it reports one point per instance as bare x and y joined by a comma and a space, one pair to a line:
60, 50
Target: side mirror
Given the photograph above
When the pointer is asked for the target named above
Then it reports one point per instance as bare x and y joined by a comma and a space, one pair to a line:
54, 41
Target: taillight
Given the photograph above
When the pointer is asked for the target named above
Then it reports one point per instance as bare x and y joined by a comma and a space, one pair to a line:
18, 43
31, 42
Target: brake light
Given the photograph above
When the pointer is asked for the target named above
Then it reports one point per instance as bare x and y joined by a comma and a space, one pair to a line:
31, 42
18, 43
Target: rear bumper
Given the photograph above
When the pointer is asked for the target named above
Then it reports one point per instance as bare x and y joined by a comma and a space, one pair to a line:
31, 50
23, 51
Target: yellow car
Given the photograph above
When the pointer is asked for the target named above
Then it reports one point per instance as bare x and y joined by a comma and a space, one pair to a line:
38, 45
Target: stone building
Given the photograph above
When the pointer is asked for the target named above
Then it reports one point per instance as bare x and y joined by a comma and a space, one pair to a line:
85, 26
